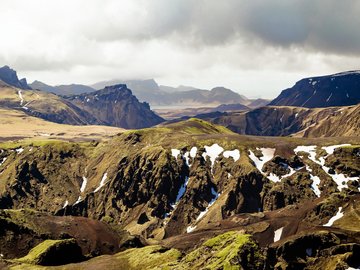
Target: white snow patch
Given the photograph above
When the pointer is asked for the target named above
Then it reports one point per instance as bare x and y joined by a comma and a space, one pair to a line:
330, 149
268, 154
338, 215
175, 153
310, 149
314, 82
213, 152
235, 154
203, 213
193, 151
83, 185
3, 161
45, 134
66, 203
281, 119
316, 182
296, 115
21, 97
187, 158
340, 179
229, 175
87, 100
102, 183
327, 100
277, 234
19, 150
190, 228
78, 200
181, 191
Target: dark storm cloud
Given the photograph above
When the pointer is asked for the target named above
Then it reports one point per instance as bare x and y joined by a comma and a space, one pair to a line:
313, 25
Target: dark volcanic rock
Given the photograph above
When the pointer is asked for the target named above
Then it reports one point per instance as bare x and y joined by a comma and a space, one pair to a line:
10, 77
340, 89
117, 106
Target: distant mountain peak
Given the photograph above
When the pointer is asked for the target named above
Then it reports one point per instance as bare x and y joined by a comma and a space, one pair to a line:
340, 89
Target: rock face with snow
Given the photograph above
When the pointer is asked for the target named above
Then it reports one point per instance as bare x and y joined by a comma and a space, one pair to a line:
341, 89
116, 106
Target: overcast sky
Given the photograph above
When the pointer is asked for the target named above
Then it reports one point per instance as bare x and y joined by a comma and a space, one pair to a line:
254, 47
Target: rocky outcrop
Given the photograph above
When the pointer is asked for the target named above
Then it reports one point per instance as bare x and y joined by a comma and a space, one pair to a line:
116, 106
10, 77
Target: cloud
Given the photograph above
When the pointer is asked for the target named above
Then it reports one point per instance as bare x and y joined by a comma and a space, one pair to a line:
180, 41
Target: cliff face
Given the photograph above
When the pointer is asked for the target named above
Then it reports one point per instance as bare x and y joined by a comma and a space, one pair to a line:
117, 106
294, 121
10, 77
339, 89
113, 106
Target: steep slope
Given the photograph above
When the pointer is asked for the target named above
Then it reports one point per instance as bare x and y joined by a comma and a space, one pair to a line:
44, 105
341, 89
113, 106
294, 121
10, 77
116, 106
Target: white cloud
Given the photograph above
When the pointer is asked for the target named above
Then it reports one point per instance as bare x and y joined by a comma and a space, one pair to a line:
254, 47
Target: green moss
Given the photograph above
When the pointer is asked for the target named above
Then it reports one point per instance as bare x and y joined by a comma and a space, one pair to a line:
224, 252
35, 254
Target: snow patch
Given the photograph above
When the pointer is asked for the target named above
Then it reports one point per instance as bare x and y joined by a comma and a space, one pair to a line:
338, 215
296, 115
190, 228
181, 191
203, 213
66, 203
21, 97
330, 149
315, 182
213, 152
102, 183
277, 234
175, 153
268, 154
3, 161
235, 154
193, 152
78, 200
19, 150
327, 100
340, 179
83, 185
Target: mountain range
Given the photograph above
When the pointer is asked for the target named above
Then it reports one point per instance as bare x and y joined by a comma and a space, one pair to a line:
161, 96
114, 106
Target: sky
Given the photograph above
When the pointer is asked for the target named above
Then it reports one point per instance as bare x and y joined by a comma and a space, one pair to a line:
254, 47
